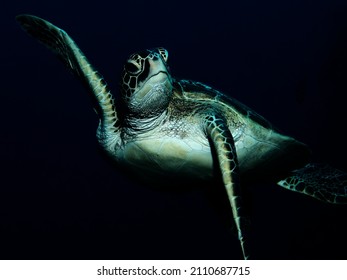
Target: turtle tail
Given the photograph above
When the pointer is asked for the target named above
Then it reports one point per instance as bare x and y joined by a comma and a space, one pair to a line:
68, 52
320, 181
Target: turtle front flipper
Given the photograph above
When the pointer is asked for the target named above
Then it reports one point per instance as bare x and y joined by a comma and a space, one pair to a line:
223, 146
320, 181
66, 49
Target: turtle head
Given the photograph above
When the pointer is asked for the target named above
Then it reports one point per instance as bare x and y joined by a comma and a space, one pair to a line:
146, 84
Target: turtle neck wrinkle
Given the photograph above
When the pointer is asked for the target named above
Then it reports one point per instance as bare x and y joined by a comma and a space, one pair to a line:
137, 126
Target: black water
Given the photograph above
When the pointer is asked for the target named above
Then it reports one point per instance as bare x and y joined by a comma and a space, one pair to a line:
59, 198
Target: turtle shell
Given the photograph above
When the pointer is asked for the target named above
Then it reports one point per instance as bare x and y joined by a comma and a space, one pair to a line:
199, 91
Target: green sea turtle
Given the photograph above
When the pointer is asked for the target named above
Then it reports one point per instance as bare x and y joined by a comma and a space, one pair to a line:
166, 130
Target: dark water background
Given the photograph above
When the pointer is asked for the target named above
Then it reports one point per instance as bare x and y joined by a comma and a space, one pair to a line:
59, 198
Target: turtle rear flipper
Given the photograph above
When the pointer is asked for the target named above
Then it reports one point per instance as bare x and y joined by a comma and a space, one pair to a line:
320, 181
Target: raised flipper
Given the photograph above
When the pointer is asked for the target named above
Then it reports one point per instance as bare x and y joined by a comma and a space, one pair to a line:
320, 181
68, 52
224, 148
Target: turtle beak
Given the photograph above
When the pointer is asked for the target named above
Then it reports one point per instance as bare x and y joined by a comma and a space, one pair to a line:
156, 73
157, 78
156, 66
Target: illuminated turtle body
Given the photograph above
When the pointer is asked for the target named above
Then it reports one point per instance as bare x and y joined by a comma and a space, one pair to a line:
167, 130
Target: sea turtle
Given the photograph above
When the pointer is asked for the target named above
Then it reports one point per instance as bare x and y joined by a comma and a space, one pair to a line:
166, 130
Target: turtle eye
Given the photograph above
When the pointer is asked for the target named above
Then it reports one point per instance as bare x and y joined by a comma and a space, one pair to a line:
132, 67
164, 53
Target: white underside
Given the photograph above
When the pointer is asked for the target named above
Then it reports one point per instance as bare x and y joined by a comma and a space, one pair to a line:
191, 156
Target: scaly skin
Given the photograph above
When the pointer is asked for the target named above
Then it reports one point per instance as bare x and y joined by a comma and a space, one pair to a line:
181, 129
223, 145
66, 49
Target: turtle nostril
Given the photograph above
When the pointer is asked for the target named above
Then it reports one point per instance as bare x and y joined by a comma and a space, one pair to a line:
132, 68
